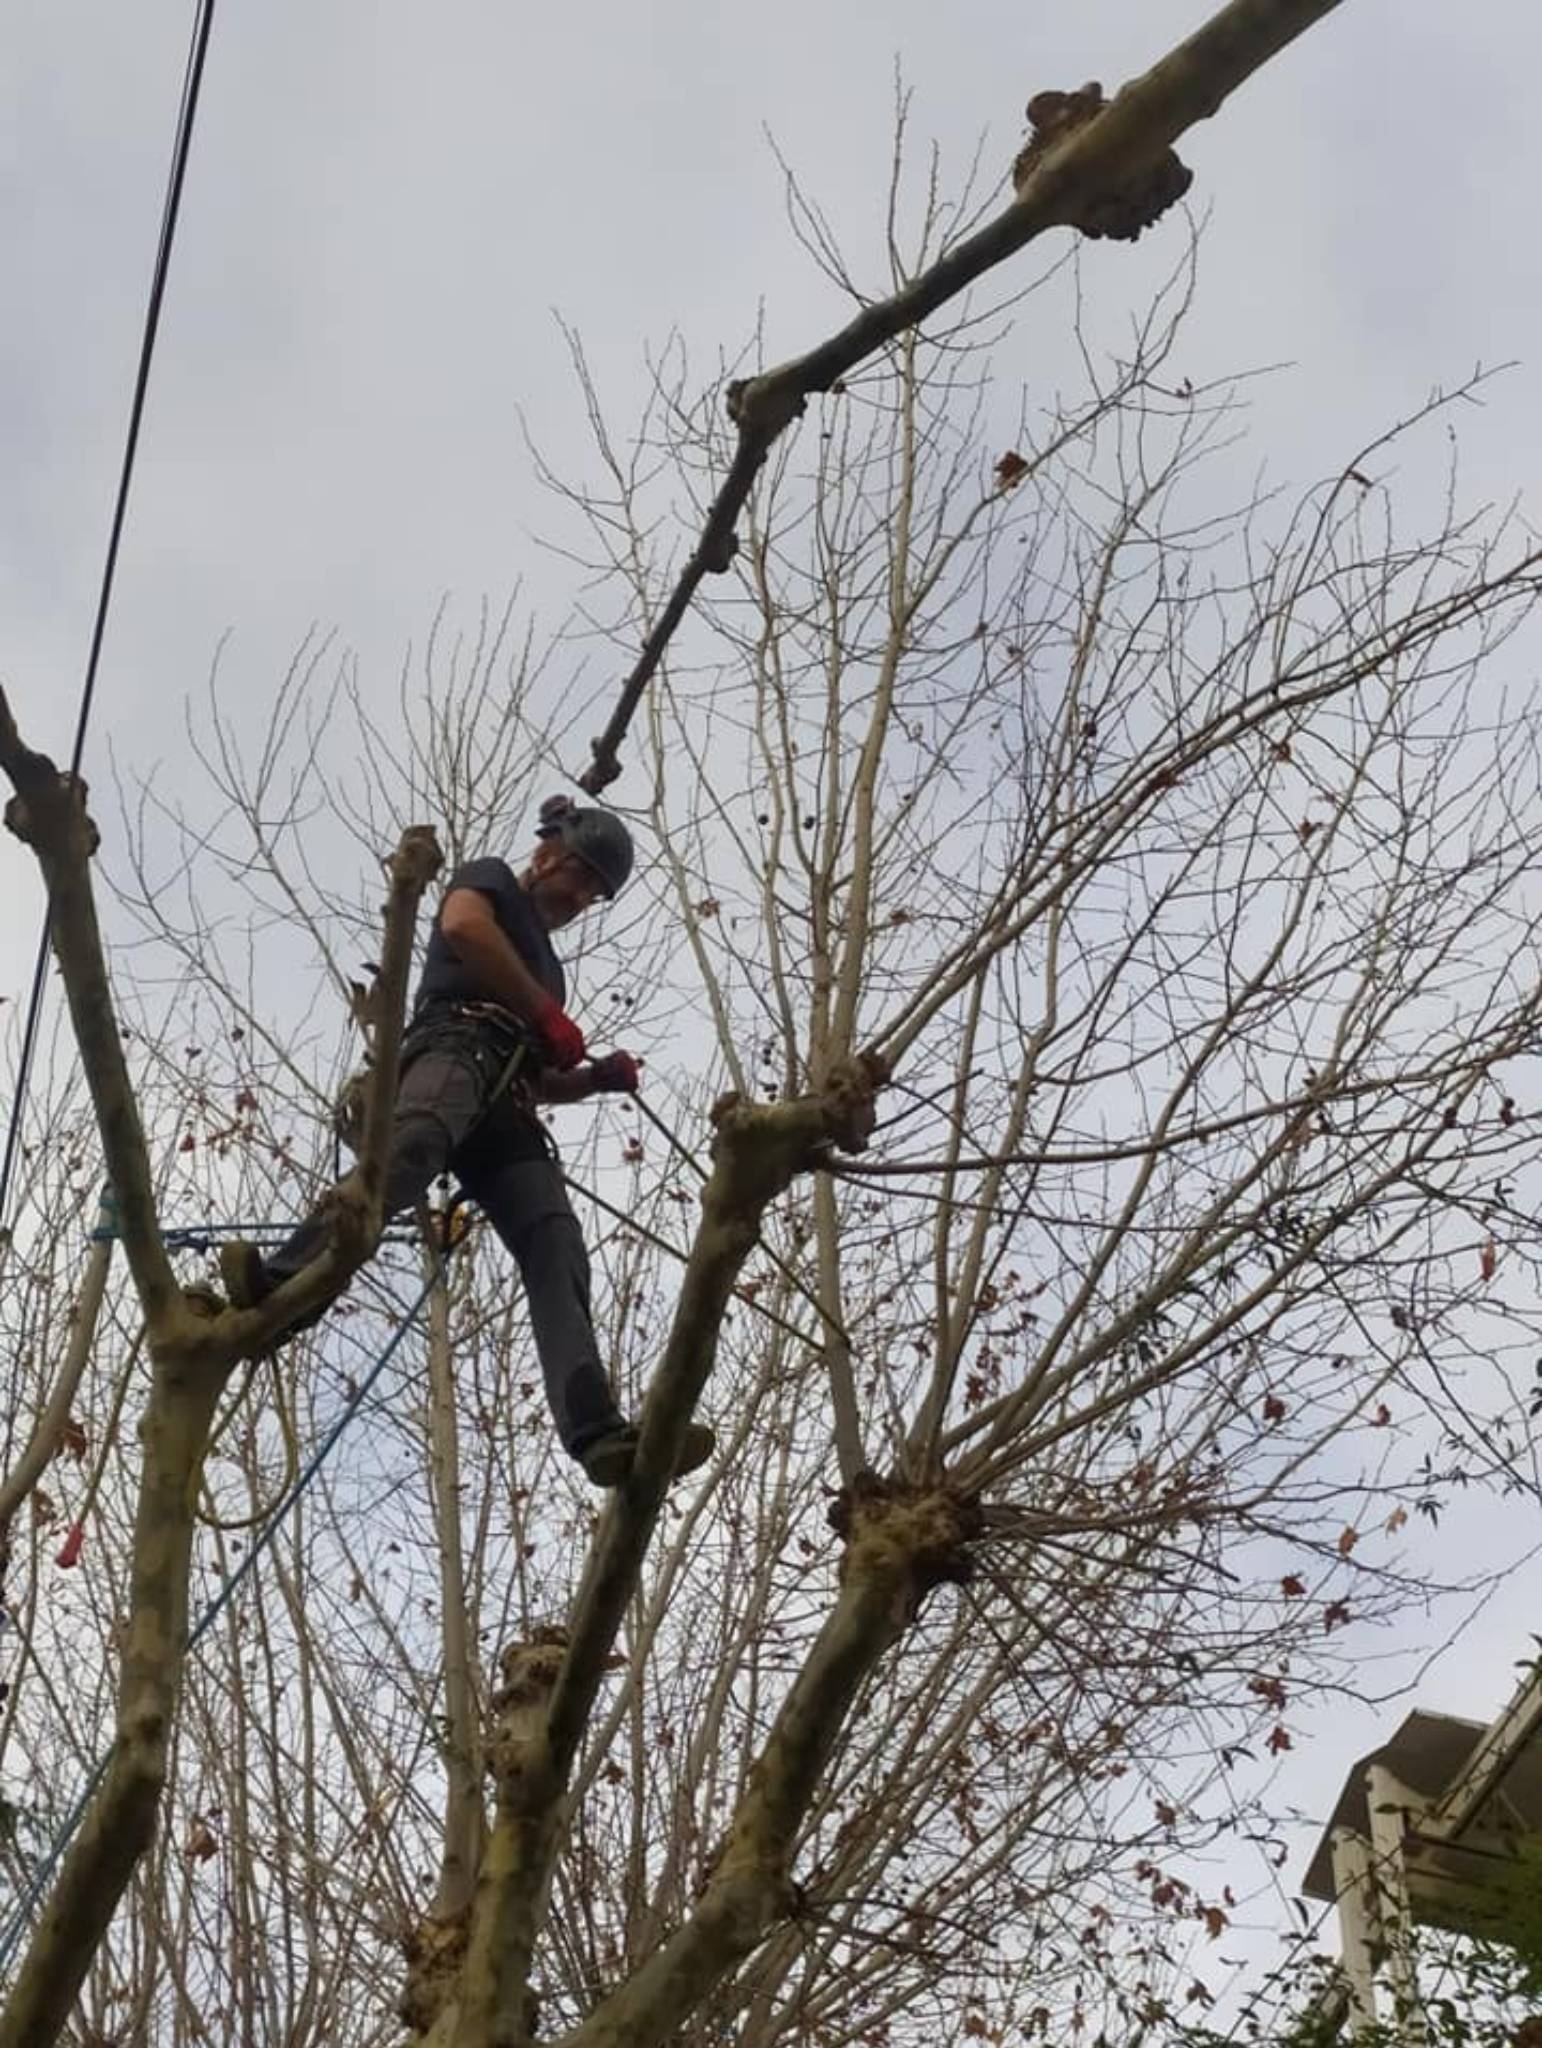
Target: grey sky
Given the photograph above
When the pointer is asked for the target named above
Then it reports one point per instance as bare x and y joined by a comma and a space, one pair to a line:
386, 202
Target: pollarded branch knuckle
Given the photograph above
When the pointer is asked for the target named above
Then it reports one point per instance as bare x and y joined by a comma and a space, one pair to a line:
418, 857
1118, 210
764, 405
49, 811
920, 1535
435, 1950
850, 1100
533, 1662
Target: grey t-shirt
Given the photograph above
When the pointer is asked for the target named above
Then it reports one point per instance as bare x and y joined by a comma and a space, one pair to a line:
446, 978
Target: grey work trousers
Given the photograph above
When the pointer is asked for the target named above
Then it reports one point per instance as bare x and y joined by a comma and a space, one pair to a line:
446, 1119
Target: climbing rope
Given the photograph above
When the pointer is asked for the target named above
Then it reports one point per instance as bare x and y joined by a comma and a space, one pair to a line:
228, 1525
202, 1237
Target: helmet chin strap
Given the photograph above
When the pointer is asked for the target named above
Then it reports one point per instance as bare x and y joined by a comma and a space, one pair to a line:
532, 881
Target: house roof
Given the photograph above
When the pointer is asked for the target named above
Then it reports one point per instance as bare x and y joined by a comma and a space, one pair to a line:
1427, 1752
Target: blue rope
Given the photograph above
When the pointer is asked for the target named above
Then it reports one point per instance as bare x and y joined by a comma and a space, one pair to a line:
199, 1237
303, 1479
16, 1926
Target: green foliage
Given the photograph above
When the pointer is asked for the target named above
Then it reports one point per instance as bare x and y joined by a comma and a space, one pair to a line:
1478, 1988
1488, 1983
1517, 1932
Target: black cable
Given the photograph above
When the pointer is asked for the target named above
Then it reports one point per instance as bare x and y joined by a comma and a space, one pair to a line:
24, 1065
192, 79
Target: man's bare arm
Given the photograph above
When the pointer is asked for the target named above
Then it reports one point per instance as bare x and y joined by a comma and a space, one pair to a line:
473, 935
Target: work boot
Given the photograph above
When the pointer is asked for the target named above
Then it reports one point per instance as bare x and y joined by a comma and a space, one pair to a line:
248, 1282
243, 1272
610, 1458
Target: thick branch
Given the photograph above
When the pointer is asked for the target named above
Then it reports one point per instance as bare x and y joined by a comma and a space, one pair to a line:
495, 2007
901, 1543
118, 1829
48, 812
464, 1815
193, 1350
357, 1204
758, 1151
1067, 184
436, 1949
49, 1429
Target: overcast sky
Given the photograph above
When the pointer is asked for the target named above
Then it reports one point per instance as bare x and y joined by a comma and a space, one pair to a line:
387, 202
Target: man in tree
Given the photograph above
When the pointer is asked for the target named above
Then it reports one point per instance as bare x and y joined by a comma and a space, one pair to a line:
489, 1038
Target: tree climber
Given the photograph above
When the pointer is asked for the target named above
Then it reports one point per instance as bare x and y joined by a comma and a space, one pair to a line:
493, 992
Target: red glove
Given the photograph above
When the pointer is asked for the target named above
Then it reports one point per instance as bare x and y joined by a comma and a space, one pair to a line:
616, 1074
564, 1040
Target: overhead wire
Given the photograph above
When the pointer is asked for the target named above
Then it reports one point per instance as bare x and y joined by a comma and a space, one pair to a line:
15, 1927
192, 81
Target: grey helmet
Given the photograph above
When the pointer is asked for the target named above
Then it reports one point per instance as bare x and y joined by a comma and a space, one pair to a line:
596, 836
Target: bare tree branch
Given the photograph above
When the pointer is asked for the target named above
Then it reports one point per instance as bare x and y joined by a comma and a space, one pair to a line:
1083, 167
194, 1344
48, 812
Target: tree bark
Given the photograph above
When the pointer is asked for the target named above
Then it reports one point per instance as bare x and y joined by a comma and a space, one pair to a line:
900, 1544
194, 1344
122, 1819
32, 1463
759, 1150
464, 1816
48, 812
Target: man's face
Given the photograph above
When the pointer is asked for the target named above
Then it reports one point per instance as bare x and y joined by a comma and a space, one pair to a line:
560, 884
